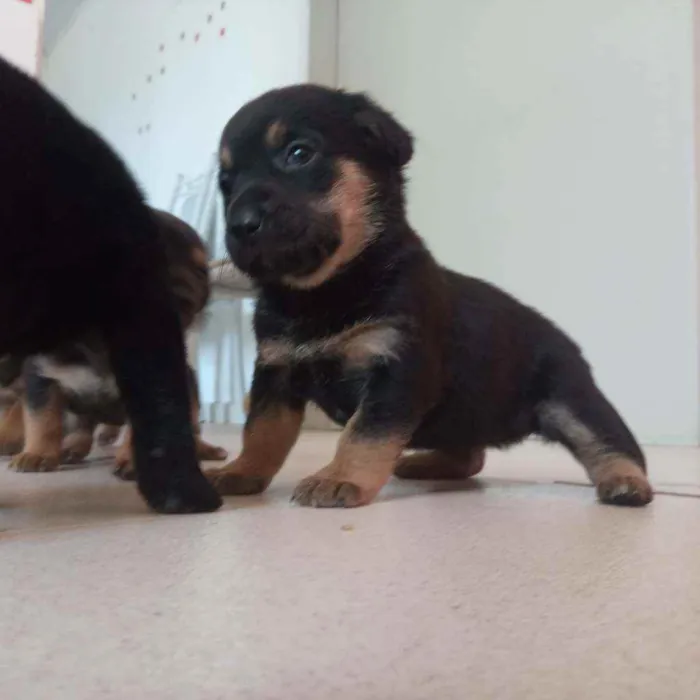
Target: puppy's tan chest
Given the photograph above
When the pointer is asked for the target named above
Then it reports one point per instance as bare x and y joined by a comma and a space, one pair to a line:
357, 347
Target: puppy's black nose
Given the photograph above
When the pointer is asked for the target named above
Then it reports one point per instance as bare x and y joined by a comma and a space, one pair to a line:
246, 220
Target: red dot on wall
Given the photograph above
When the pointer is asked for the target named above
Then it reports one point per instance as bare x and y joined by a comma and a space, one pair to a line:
222, 31
196, 37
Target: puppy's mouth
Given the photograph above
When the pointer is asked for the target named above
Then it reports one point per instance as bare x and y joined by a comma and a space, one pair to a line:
290, 245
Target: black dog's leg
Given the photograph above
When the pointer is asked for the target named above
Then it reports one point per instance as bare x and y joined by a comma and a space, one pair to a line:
580, 417
148, 357
271, 430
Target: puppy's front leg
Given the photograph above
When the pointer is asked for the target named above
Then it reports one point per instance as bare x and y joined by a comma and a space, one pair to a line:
12, 430
362, 465
372, 442
271, 430
42, 406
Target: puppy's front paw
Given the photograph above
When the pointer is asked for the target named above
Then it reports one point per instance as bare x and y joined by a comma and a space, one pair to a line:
328, 492
210, 453
33, 462
234, 480
623, 483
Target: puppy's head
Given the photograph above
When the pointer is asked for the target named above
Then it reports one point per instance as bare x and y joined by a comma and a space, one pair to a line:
308, 177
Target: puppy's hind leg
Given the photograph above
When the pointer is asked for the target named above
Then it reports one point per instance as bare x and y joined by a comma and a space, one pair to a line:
77, 445
580, 417
432, 465
108, 434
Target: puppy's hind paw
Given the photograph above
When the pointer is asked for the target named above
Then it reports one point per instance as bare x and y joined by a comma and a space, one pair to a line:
228, 481
623, 483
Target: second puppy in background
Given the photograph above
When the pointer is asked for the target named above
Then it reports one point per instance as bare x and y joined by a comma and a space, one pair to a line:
77, 378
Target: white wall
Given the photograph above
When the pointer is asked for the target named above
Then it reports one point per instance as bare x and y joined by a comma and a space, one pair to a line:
101, 65
555, 158
20, 33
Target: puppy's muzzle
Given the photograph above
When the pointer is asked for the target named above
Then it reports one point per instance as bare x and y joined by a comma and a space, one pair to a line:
247, 216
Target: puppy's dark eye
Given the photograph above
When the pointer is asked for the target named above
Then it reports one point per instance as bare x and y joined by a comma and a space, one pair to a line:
224, 181
298, 155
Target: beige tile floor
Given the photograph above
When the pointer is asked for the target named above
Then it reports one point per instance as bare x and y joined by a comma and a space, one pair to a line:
517, 586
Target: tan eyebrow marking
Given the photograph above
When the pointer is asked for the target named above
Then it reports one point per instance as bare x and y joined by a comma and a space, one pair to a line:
226, 157
275, 134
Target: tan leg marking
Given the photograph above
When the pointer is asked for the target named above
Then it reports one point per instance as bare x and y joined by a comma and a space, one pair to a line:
358, 472
618, 479
437, 466
43, 436
12, 430
267, 440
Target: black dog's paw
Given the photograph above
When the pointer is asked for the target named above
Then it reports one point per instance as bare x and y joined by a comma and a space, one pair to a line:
180, 493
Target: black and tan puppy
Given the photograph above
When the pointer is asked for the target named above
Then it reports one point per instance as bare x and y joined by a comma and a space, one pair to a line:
355, 315
77, 377
75, 234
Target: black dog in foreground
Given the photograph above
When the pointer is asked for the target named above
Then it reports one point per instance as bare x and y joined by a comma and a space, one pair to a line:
355, 315
76, 379
79, 253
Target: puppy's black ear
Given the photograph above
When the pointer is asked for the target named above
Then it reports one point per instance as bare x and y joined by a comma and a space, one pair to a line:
383, 133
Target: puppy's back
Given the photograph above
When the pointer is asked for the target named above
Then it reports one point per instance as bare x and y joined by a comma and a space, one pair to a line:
71, 219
